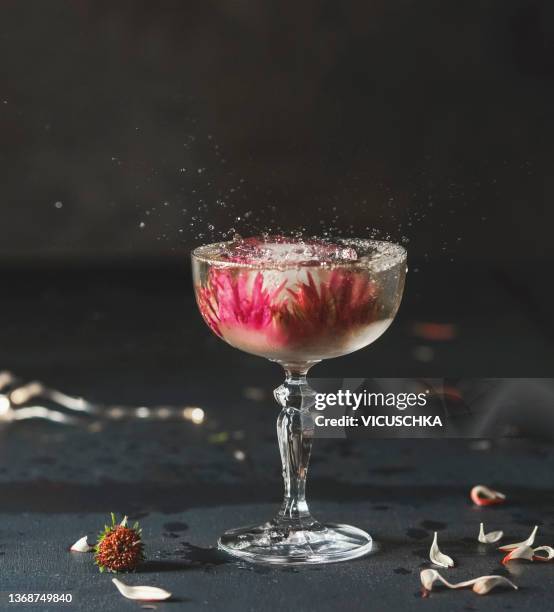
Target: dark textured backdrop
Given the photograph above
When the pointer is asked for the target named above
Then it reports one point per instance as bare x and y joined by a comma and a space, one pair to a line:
431, 120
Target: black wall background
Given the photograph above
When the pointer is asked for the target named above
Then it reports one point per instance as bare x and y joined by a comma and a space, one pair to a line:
428, 120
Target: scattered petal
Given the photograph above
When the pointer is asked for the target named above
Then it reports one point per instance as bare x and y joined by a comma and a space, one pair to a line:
543, 557
484, 496
437, 557
141, 593
528, 542
430, 576
489, 538
521, 552
481, 585
484, 584
81, 545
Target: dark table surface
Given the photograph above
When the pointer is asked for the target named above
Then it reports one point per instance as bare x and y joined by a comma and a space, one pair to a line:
136, 339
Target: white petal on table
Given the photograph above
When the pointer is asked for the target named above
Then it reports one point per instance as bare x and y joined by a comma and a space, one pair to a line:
489, 538
81, 545
521, 552
437, 557
141, 593
484, 584
528, 542
546, 557
481, 585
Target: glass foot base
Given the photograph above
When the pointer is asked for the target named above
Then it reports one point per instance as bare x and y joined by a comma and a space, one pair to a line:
280, 544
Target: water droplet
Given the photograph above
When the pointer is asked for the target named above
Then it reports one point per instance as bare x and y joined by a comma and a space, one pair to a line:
58, 204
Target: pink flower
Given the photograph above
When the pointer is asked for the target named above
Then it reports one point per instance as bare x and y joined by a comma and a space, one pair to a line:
226, 299
297, 316
345, 300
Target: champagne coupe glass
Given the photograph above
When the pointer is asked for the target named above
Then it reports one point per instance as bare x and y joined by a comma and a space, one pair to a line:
297, 302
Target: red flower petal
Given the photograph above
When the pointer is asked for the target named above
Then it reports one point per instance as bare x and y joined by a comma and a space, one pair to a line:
484, 496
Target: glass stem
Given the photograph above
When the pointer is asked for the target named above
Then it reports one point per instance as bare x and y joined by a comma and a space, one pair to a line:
295, 430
